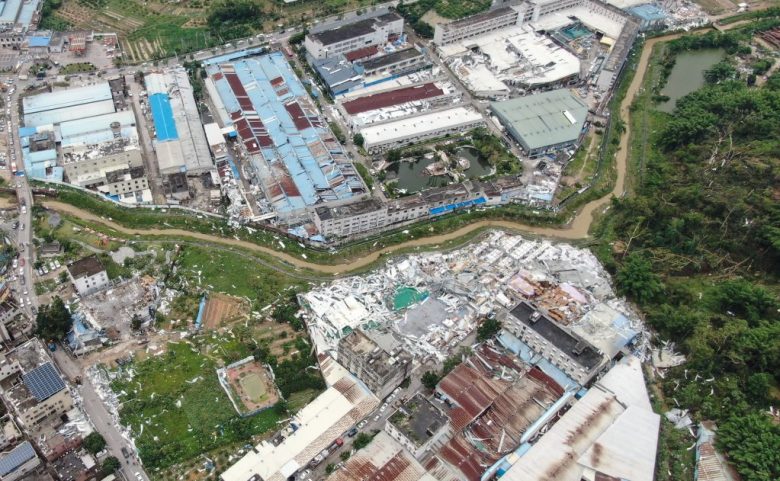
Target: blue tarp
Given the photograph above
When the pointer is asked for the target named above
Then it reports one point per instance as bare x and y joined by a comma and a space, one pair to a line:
162, 113
460, 205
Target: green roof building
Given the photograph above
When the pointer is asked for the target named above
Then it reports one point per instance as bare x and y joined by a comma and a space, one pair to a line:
543, 122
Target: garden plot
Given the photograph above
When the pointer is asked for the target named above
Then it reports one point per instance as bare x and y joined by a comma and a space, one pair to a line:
222, 309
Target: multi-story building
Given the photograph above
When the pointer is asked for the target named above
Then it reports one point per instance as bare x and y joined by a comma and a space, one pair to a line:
576, 357
474, 25
18, 462
88, 165
379, 138
16, 18
353, 36
32, 387
380, 370
350, 219
88, 275
419, 426
397, 63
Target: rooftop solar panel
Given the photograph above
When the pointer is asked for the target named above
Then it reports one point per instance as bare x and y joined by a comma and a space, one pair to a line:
43, 382
11, 461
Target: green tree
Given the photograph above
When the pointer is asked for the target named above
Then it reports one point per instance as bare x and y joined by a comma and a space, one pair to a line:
136, 322
344, 455
94, 442
488, 328
110, 465
330, 468
720, 72
362, 440
423, 29
430, 379
53, 320
358, 139
752, 442
637, 279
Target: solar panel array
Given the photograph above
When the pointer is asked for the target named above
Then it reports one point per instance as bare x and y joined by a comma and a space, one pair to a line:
43, 382
16, 457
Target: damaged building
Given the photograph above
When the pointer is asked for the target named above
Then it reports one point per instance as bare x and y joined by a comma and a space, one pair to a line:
380, 370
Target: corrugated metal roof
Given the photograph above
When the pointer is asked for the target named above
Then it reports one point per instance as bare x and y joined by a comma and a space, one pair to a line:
382, 460
66, 98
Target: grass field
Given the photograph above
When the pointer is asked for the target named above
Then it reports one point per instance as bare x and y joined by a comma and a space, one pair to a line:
253, 386
177, 409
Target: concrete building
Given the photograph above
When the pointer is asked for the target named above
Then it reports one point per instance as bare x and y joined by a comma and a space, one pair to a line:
649, 16
576, 357
419, 426
350, 219
382, 137
216, 141
362, 33
399, 62
18, 462
32, 387
385, 459
88, 275
318, 425
543, 122
481, 23
380, 370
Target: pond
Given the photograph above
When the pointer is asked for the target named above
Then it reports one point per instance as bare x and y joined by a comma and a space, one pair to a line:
412, 177
688, 75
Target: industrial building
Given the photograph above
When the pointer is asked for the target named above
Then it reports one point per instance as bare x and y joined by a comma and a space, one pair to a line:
398, 103
543, 122
380, 370
616, 435
340, 74
180, 143
492, 64
313, 429
384, 458
32, 387
649, 16
572, 354
350, 37
479, 24
216, 140
295, 159
88, 275
70, 104
17, 17
398, 133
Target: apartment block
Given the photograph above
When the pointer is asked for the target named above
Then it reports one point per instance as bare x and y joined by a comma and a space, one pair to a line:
380, 370
353, 36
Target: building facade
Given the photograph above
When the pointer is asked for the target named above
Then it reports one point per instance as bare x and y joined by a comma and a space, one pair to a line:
347, 38
446, 33
350, 219
88, 275
380, 370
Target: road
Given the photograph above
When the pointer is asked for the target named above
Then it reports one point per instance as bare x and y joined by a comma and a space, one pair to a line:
151, 166
93, 405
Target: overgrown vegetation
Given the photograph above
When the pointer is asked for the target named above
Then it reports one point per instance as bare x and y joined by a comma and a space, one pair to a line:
53, 320
49, 21
698, 248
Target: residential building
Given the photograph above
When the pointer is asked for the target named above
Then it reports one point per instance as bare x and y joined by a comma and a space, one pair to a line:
398, 133
570, 353
419, 426
32, 387
9, 433
380, 370
543, 122
481, 23
50, 249
88, 275
384, 458
362, 33
18, 462
216, 141
17, 17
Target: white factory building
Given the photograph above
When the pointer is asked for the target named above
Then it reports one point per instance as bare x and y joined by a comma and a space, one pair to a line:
382, 137
340, 407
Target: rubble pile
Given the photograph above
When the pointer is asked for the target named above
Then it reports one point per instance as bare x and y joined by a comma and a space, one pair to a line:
451, 291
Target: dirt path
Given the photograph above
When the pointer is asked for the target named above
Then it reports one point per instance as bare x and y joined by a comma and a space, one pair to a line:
576, 229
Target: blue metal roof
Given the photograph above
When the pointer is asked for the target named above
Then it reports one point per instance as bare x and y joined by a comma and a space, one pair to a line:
648, 12
162, 113
15, 458
39, 41
43, 382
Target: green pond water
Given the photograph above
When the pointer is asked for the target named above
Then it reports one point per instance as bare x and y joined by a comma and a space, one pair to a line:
406, 296
688, 75
411, 175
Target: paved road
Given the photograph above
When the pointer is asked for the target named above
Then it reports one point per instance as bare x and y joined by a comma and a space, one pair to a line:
151, 166
100, 417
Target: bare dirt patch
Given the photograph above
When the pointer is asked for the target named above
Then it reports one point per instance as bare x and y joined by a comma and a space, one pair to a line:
222, 309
